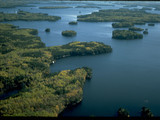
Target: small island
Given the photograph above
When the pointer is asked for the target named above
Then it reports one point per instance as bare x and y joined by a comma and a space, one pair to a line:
126, 35
27, 16
145, 31
87, 7
151, 24
73, 23
69, 33
122, 25
54, 7
135, 29
47, 29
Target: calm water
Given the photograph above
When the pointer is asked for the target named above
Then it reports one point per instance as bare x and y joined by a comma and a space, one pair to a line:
128, 77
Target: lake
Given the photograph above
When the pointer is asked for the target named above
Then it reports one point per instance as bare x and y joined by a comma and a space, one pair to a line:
129, 77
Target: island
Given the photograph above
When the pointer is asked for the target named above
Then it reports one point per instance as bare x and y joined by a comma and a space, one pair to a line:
135, 29
87, 7
27, 16
126, 35
145, 31
122, 25
69, 33
120, 15
79, 49
47, 29
151, 24
73, 23
25, 62
54, 7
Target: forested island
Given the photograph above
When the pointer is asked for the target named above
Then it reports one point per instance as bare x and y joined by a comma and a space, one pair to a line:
54, 7
69, 33
27, 16
126, 35
25, 67
122, 25
120, 15
88, 7
136, 29
73, 23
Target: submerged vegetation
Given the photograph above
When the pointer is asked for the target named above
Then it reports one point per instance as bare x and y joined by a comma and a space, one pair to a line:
126, 34
54, 7
69, 33
120, 15
26, 16
25, 67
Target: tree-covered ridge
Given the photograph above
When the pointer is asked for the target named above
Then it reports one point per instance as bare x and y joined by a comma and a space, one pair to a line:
27, 16
120, 15
54, 7
79, 49
126, 35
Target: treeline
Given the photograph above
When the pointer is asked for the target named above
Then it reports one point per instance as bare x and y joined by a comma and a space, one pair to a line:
27, 16
25, 65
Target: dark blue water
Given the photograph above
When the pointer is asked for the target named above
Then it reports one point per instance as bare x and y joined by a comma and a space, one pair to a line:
128, 77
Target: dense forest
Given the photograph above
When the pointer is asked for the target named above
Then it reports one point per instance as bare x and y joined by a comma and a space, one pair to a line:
25, 67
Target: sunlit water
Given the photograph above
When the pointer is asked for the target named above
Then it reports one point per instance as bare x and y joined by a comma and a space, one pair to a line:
128, 77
